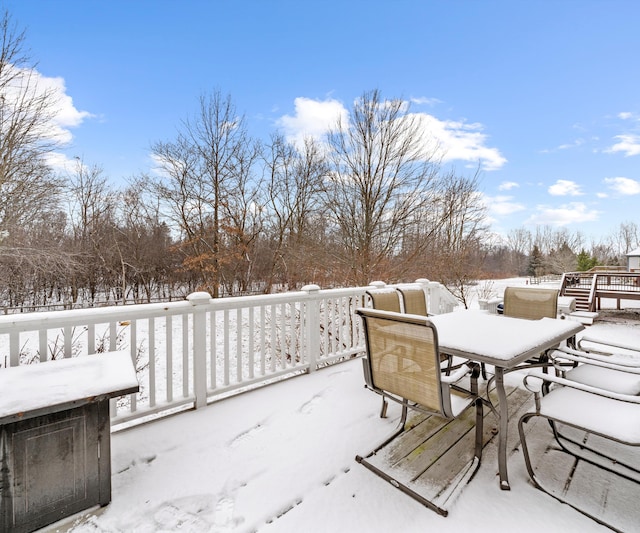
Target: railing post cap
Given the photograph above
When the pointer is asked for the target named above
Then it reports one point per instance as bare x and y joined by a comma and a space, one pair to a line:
377, 284
311, 288
199, 298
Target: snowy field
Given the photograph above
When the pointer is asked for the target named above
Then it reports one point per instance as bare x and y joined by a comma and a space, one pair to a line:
281, 459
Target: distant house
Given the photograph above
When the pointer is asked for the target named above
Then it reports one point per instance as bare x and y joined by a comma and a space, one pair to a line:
633, 260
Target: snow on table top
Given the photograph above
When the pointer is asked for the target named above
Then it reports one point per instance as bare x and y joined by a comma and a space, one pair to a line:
499, 338
42, 386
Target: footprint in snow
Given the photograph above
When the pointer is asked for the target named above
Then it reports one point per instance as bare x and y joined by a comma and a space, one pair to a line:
307, 407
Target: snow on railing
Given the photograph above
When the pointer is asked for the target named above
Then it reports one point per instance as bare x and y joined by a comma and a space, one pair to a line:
192, 352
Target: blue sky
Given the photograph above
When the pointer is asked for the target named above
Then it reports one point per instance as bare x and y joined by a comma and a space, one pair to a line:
544, 94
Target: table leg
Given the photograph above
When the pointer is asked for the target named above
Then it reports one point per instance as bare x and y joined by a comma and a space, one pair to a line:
504, 423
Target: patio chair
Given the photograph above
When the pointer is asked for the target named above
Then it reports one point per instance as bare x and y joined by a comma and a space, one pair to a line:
610, 419
389, 299
616, 373
599, 345
415, 303
532, 304
385, 299
402, 364
414, 299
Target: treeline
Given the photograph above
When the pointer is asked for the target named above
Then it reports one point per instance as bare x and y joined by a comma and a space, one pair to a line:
231, 214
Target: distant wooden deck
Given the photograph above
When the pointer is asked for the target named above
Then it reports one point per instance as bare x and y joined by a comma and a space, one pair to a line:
612, 285
432, 456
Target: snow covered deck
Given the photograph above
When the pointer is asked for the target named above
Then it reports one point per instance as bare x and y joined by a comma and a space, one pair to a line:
281, 459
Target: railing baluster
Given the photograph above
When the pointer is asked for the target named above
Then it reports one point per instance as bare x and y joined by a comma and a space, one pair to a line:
133, 348
273, 338
283, 336
14, 348
152, 361
185, 355
263, 343
91, 338
239, 334
225, 360
213, 349
44, 346
251, 355
67, 333
168, 326
113, 336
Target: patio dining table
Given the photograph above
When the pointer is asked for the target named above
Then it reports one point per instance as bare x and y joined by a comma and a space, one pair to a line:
503, 342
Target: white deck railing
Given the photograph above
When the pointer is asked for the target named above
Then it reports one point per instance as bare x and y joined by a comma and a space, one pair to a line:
192, 352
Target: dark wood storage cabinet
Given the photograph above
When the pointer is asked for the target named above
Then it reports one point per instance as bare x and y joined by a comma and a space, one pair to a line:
55, 455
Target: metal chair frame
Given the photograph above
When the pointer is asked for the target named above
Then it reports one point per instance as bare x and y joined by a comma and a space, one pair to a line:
409, 355
578, 449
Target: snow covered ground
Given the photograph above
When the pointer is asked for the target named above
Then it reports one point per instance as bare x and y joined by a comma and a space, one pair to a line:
281, 459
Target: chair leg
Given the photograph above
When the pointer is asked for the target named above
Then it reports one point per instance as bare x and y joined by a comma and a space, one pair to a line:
383, 409
479, 429
402, 487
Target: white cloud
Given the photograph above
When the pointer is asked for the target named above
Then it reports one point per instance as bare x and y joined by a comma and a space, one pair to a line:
508, 185
628, 144
502, 205
625, 115
563, 215
64, 113
461, 141
624, 186
423, 100
565, 188
574, 144
31, 84
456, 140
312, 118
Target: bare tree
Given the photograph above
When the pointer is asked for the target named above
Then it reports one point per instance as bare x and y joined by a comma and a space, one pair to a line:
458, 249
519, 241
26, 182
92, 216
201, 171
295, 181
382, 174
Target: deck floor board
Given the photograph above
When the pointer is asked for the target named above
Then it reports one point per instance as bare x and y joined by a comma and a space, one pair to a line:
433, 457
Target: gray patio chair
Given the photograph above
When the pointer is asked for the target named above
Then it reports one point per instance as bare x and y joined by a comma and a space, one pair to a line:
385, 299
530, 303
389, 299
402, 364
600, 345
616, 373
414, 299
591, 410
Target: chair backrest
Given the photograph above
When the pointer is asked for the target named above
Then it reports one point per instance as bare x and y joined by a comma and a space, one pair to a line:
414, 299
530, 303
403, 358
385, 299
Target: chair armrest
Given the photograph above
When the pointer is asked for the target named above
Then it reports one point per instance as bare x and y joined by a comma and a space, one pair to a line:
549, 378
613, 362
457, 375
606, 347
